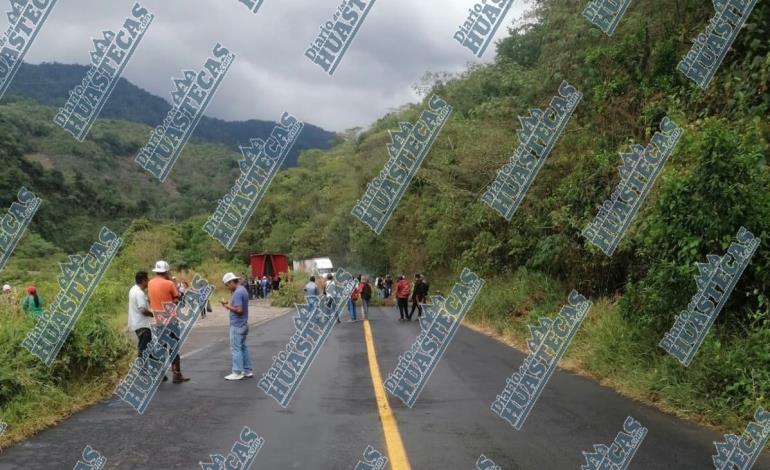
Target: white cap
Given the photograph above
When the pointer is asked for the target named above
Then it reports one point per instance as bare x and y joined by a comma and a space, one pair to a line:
229, 277
6, 288
161, 267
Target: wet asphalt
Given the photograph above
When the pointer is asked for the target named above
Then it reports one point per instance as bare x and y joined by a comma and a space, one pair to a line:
334, 415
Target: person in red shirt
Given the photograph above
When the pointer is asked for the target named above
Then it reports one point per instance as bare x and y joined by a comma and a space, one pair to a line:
162, 290
352, 301
402, 297
366, 294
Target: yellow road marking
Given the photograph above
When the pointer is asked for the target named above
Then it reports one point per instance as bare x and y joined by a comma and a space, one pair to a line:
396, 452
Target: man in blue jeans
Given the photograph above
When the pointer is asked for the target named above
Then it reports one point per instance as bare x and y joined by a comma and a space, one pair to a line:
239, 327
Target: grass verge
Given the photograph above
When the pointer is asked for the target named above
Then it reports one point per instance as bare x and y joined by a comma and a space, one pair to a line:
609, 349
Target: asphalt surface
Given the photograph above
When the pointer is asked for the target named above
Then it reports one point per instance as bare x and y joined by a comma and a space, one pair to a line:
334, 415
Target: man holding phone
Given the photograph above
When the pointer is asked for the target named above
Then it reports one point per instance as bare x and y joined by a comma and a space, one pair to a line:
239, 327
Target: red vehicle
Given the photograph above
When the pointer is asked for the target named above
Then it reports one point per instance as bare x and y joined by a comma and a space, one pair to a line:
270, 265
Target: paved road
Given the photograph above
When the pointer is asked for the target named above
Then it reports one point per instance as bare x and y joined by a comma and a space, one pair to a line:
334, 416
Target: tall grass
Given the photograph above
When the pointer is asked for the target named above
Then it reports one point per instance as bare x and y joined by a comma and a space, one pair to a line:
96, 354
721, 388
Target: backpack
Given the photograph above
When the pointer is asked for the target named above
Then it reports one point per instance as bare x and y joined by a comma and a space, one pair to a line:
354, 294
366, 294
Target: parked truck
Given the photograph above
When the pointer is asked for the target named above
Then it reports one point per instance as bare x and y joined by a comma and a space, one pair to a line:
270, 265
314, 266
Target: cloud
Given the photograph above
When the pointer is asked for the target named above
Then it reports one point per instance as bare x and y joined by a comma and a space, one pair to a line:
399, 41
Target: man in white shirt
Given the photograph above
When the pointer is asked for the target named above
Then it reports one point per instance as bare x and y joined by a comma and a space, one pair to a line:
139, 313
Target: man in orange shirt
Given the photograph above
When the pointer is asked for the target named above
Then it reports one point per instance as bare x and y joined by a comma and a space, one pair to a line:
162, 290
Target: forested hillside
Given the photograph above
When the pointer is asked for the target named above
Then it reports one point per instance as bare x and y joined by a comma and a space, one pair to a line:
716, 181
51, 83
97, 182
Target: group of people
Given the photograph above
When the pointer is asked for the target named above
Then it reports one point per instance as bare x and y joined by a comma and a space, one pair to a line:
31, 303
362, 290
146, 300
145, 310
259, 288
418, 294
384, 285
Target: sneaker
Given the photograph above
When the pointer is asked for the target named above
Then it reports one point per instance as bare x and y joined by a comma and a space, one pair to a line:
234, 377
249, 374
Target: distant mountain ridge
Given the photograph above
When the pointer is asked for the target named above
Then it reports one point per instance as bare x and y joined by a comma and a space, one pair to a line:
50, 83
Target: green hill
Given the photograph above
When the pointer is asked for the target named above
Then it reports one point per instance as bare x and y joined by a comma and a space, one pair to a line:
51, 83
98, 182
716, 181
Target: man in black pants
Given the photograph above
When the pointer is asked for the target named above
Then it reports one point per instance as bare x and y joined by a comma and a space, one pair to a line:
139, 314
419, 295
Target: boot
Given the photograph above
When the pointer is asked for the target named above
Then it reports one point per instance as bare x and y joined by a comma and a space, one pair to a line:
176, 369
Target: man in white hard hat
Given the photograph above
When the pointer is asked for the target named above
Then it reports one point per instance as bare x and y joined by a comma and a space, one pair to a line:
161, 290
239, 327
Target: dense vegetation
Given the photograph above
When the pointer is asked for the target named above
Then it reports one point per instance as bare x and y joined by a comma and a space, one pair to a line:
97, 352
98, 182
716, 181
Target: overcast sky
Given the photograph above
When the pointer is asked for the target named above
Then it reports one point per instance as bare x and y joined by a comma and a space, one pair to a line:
399, 41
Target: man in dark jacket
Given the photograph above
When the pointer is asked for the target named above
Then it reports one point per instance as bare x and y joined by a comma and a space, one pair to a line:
388, 285
419, 295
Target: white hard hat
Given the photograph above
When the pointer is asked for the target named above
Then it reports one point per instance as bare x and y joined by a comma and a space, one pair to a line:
161, 267
229, 277
6, 288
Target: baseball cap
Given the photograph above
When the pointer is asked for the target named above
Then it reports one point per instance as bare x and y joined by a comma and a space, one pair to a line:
161, 267
229, 277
